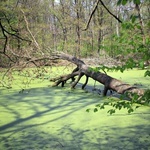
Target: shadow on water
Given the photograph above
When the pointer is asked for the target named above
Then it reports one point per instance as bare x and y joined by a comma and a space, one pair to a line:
46, 101
49, 118
70, 139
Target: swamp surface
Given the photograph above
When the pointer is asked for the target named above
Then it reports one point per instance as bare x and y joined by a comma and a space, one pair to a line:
36, 116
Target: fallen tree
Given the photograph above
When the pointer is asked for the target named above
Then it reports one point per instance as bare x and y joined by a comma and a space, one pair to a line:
82, 69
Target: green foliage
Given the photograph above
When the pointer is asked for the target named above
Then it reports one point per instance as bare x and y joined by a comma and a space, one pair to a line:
134, 18
123, 102
137, 2
129, 45
147, 73
145, 99
128, 48
124, 2
120, 105
130, 64
54, 25
135, 103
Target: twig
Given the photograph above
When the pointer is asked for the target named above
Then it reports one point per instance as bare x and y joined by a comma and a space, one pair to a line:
27, 26
110, 12
89, 20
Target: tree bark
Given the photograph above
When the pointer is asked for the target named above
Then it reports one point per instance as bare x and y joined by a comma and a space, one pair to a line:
109, 82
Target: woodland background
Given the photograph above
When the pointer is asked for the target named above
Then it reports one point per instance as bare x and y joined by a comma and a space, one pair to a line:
32, 30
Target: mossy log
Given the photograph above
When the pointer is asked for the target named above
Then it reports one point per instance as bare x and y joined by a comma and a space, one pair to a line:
82, 69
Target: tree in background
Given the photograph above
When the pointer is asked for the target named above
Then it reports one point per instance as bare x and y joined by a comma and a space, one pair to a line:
34, 29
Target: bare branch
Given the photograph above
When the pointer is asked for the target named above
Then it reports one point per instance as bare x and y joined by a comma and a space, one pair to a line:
110, 12
5, 32
12, 34
27, 26
89, 20
8, 21
6, 38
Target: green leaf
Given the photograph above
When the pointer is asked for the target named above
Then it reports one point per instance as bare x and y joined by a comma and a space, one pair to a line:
147, 73
137, 107
141, 64
119, 2
137, 2
130, 110
102, 107
133, 18
98, 105
120, 107
106, 103
122, 69
124, 2
88, 110
95, 109
127, 105
111, 111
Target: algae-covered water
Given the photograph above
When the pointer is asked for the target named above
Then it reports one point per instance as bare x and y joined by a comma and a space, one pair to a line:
36, 116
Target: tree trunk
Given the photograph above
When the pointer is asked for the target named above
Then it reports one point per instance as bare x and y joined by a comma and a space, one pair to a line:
141, 22
109, 82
